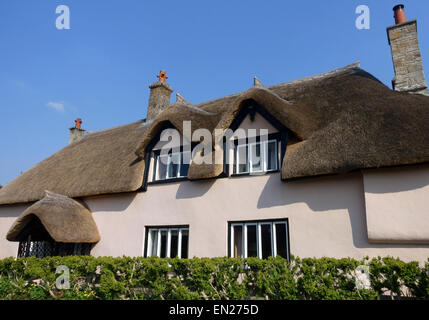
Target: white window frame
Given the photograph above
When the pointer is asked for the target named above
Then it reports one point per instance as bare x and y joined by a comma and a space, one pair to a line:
258, 225
263, 156
159, 231
157, 159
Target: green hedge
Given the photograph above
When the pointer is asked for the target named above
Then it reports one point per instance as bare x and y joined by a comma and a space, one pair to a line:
215, 278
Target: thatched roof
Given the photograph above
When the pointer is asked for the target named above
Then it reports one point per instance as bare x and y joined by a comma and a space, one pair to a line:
342, 120
64, 219
100, 163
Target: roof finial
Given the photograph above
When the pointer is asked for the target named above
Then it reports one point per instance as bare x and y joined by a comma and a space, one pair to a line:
257, 82
180, 99
162, 76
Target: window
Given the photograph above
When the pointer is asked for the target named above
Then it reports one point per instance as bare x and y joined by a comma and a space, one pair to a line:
41, 249
256, 157
259, 239
168, 242
172, 165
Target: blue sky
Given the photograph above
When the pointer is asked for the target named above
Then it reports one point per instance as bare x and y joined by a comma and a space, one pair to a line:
101, 68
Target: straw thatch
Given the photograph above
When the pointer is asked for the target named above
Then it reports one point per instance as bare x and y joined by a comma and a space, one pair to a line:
64, 219
340, 121
100, 163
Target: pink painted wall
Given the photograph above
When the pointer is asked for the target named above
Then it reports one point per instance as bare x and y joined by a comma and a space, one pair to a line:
326, 216
8, 215
397, 204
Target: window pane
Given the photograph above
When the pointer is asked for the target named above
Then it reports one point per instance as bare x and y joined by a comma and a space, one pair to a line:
266, 240
161, 167
185, 240
281, 239
163, 253
272, 155
174, 243
255, 156
251, 242
154, 243
242, 159
238, 241
173, 165
184, 167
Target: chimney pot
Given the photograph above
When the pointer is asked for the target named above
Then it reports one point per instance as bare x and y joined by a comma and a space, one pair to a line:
78, 123
76, 132
399, 14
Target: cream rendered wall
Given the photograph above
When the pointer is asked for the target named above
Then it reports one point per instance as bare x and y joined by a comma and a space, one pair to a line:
397, 204
326, 216
8, 215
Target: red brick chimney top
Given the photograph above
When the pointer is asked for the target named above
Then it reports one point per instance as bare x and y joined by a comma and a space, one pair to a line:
78, 123
399, 14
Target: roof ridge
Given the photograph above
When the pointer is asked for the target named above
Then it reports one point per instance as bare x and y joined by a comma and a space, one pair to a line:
112, 128
323, 75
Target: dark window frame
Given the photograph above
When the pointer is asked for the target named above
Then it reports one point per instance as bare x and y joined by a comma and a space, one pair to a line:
155, 153
260, 221
251, 107
158, 227
277, 136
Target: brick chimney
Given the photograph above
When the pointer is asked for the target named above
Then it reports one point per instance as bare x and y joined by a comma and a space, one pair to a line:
407, 60
76, 132
159, 98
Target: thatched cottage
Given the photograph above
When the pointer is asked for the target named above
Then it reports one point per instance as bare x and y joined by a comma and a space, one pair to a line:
341, 171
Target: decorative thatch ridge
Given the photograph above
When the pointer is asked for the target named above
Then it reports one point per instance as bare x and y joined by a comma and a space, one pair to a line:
344, 120
64, 219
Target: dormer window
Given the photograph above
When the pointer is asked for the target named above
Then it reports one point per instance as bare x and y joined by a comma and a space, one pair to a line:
256, 157
171, 166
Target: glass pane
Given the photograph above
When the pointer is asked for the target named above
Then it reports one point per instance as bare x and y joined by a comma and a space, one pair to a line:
174, 243
161, 167
281, 239
238, 241
173, 166
272, 155
242, 159
185, 240
266, 240
163, 253
184, 167
154, 243
251, 242
255, 156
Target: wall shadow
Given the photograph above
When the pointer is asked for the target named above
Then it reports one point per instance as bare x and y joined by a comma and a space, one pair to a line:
194, 189
13, 210
400, 179
111, 203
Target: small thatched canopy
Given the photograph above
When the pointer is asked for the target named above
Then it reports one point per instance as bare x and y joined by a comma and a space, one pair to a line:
342, 120
65, 220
